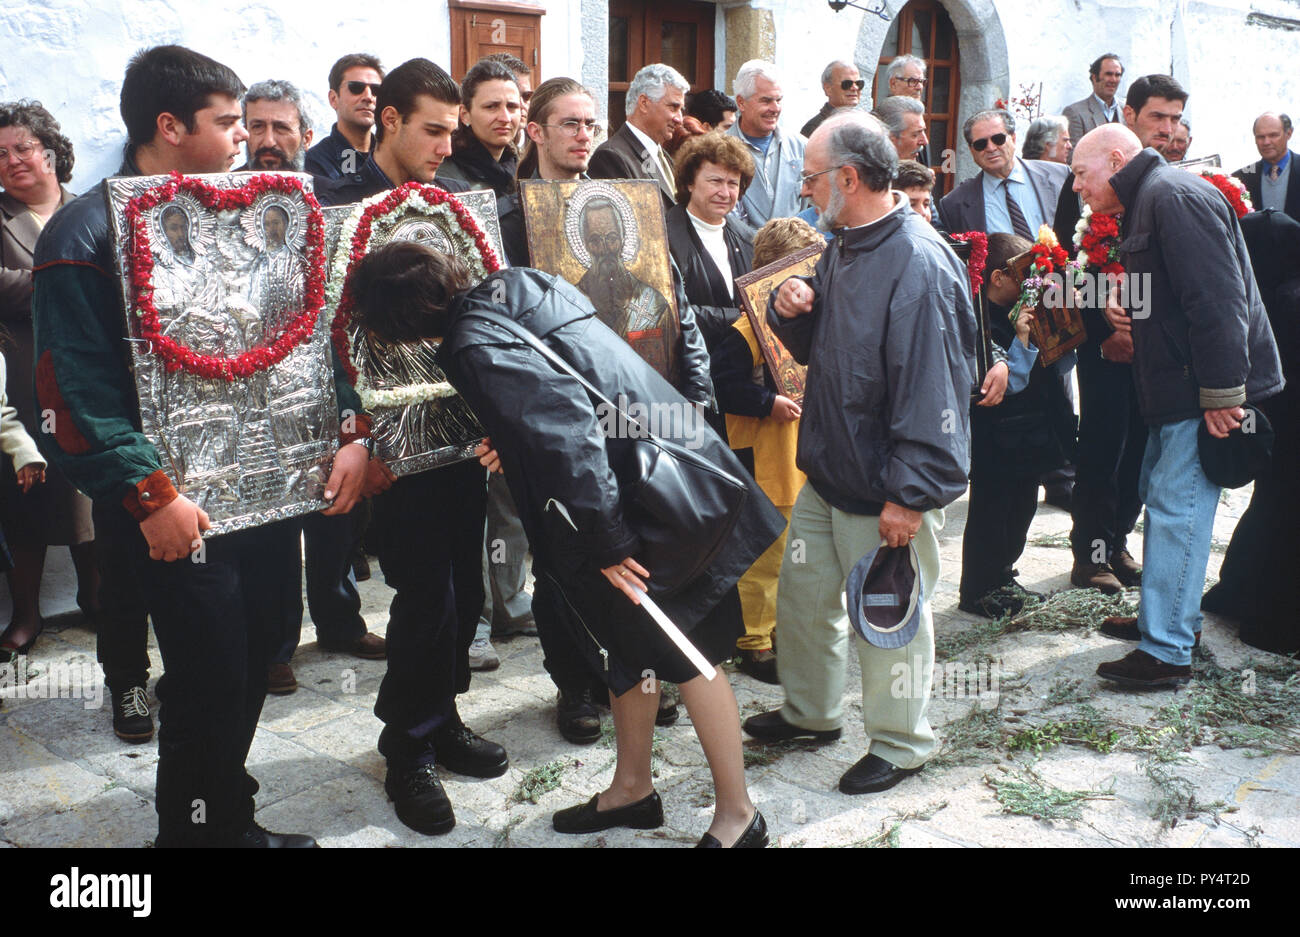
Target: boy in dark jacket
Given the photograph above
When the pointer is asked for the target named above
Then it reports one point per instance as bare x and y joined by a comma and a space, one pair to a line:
1030, 432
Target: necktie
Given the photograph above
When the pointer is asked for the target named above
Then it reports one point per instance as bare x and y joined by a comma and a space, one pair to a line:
1018, 223
666, 166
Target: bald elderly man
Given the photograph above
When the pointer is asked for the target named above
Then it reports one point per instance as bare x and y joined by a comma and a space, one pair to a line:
1202, 347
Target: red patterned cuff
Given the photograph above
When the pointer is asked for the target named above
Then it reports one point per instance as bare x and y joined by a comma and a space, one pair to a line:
359, 428
151, 493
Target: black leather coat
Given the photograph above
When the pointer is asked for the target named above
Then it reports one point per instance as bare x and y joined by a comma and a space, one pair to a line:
553, 451
715, 309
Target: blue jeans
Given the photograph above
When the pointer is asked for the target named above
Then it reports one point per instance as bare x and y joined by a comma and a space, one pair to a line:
1180, 505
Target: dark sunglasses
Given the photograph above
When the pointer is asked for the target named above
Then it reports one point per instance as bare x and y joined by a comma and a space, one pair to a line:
848, 83
357, 87
979, 145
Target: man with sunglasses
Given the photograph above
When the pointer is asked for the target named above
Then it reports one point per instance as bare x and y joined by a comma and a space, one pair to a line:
354, 89
1010, 195
843, 87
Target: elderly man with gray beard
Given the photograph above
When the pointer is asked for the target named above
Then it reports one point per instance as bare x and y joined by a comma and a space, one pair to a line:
886, 327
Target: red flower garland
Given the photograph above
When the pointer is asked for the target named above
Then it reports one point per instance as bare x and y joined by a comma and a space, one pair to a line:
1100, 243
1047, 259
979, 255
361, 239
178, 357
1231, 192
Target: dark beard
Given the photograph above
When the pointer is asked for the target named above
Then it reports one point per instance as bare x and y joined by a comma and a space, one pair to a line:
611, 286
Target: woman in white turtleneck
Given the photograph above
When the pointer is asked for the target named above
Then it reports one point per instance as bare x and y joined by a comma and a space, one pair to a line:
711, 249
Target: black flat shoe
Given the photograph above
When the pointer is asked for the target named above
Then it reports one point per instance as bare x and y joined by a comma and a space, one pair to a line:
646, 814
873, 774
754, 837
772, 727
257, 838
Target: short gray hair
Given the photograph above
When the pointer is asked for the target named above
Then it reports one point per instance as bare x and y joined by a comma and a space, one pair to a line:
748, 75
1008, 122
895, 68
893, 111
830, 69
654, 81
274, 89
861, 141
1186, 123
1044, 132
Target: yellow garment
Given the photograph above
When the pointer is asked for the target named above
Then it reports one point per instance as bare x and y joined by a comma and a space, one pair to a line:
758, 595
774, 443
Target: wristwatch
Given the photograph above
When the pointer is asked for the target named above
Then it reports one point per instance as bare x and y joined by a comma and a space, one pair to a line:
367, 441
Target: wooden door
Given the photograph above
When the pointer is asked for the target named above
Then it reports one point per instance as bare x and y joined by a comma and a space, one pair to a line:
922, 28
676, 32
481, 27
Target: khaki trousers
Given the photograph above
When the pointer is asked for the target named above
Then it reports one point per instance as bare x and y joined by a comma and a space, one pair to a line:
814, 633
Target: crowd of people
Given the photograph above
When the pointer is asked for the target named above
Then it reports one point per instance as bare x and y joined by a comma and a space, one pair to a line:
847, 486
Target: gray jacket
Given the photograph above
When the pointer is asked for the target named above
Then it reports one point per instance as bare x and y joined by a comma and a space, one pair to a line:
774, 193
1205, 342
890, 348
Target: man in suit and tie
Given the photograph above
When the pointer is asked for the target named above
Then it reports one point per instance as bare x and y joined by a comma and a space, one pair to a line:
654, 110
1102, 106
1014, 196
1273, 181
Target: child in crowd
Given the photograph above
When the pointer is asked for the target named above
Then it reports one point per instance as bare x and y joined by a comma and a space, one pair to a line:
763, 431
1030, 432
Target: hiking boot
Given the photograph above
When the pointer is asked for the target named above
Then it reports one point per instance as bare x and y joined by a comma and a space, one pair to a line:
1126, 569
131, 719
458, 749
577, 717
1096, 576
419, 799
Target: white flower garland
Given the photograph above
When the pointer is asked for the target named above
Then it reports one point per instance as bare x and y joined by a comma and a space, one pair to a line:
1080, 229
410, 393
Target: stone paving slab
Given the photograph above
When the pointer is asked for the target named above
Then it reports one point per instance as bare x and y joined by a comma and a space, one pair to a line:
66, 780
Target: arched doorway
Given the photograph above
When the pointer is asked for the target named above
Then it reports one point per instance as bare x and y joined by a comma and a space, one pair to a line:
976, 63
922, 28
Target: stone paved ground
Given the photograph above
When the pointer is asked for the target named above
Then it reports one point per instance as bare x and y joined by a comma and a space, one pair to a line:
65, 779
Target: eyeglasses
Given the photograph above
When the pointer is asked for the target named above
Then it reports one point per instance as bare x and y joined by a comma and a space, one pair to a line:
848, 83
910, 82
570, 127
806, 177
21, 150
978, 145
359, 87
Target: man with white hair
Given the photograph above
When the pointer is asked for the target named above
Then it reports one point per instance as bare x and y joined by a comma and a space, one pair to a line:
1048, 138
843, 88
886, 327
778, 156
636, 150
906, 78
1202, 348
904, 118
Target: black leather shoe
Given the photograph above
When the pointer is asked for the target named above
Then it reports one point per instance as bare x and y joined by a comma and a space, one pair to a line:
577, 718
754, 837
646, 814
419, 799
873, 774
996, 603
131, 719
667, 714
1140, 670
257, 838
761, 665
458, 749
772, 727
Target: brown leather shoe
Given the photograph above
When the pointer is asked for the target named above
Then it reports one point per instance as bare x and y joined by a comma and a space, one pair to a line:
1096, 576
280, 680
1142, 671
1127, 570
367, 647
1125, 628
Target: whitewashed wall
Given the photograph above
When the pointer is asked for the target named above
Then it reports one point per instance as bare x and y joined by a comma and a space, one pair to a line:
70, 54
